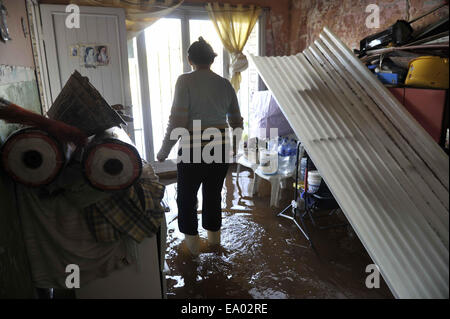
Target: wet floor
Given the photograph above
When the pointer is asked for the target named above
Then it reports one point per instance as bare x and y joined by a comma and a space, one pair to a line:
265, 256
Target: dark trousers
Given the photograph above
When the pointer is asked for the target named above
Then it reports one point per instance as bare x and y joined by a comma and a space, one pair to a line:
190, 177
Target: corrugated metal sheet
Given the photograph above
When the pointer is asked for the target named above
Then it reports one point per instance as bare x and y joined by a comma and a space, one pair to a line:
388, 175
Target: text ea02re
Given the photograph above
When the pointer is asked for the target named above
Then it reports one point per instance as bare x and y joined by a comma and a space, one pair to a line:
244, 308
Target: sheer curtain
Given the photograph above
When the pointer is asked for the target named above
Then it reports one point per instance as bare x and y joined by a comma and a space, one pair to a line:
139, 14
234, 25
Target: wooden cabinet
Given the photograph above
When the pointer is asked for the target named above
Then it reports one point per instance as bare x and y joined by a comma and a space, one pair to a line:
428, 107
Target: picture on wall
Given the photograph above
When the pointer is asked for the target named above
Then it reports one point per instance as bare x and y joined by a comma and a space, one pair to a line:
88, 57
102, 55
73, 50
91, 55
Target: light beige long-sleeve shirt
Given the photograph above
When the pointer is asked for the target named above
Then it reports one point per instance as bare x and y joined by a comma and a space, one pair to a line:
202, 95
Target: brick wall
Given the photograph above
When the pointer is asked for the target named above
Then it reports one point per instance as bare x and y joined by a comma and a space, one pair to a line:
346, 18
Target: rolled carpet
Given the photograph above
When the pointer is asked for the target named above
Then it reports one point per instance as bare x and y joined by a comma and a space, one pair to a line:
111, 162
33, 157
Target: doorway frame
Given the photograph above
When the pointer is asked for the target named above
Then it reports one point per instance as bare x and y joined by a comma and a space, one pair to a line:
184, 13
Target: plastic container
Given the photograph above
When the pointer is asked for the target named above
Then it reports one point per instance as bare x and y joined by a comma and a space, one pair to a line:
268, 162
428, 71
314, 180
283, 158
252, 151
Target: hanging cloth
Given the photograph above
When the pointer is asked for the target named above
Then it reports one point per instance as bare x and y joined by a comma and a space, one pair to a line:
234, 25
139, 14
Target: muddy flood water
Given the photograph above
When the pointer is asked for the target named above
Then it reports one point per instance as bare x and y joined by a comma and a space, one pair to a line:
265, 256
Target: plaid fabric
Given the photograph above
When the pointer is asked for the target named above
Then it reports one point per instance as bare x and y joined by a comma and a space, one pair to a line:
136, 212
99, 225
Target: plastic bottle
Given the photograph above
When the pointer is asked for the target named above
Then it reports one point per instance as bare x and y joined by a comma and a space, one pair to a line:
303, 162
293, 155
268, 162
283, 157
272, 145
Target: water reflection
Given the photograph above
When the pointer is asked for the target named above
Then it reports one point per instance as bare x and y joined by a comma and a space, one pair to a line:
264, 256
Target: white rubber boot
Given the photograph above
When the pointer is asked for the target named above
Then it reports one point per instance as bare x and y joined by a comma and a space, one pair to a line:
192, 243
214, 237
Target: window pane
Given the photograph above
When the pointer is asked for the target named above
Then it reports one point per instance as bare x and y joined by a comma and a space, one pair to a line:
205, 29
139, 141
165, 64
136, 97
249, 83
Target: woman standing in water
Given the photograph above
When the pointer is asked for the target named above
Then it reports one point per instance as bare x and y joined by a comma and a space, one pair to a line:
205, 96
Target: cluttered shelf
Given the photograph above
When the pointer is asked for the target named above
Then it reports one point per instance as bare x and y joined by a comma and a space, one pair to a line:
414, 64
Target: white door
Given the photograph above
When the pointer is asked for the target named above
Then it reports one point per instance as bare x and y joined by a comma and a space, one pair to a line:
98, 27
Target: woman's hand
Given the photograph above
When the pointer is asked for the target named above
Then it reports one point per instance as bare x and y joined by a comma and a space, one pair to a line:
161, 157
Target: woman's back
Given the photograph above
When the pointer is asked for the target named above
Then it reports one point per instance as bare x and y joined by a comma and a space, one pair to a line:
208, 96
201, 96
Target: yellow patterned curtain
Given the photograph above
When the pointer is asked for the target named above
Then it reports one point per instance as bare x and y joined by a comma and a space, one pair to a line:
139, 14
234, 25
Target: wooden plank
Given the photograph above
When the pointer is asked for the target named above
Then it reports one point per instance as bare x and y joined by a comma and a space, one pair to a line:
166, 169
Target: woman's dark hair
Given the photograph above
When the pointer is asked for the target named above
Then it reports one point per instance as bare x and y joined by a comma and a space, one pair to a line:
201, 53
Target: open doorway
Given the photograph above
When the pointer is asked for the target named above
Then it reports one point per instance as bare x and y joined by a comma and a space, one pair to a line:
158, 57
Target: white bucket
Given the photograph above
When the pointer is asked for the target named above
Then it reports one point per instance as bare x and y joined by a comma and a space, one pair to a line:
314, 180
268, 162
